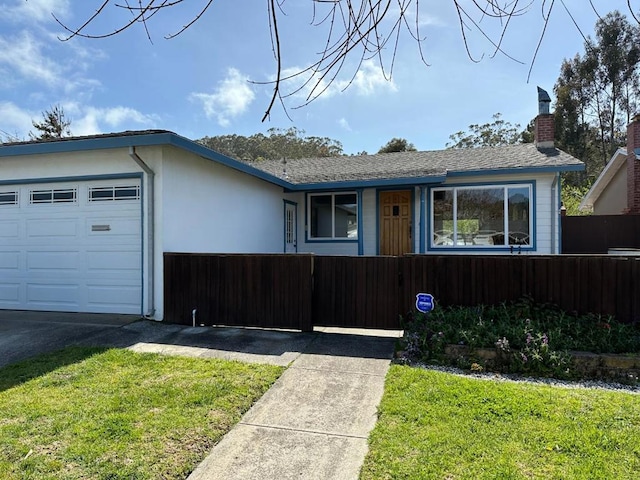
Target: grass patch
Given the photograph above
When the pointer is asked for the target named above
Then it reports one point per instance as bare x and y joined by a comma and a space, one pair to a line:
116, 414
436, 425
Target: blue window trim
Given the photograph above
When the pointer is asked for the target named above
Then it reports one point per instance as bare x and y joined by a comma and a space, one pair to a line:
412, 189
295, 205
360, 223
559, 213
423, 216
307, 227
510, 248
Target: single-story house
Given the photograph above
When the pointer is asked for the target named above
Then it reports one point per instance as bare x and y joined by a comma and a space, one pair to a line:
85, 221
617, 189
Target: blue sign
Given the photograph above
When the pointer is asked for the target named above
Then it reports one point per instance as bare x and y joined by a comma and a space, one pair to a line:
424, 302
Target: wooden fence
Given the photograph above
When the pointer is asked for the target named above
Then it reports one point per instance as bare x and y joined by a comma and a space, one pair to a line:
299, 291
596, 234
244, 290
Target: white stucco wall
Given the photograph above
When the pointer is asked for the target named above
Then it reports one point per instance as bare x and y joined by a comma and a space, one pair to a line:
67, 165
210, 208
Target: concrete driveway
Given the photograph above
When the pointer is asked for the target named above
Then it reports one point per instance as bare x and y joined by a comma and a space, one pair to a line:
25, 334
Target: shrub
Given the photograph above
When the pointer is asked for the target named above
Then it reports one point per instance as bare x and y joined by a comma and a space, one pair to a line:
528, 338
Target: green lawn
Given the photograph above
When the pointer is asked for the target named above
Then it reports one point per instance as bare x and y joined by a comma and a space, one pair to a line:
435, 425
115, 414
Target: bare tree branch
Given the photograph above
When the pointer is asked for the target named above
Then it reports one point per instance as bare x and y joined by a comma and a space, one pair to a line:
364, 29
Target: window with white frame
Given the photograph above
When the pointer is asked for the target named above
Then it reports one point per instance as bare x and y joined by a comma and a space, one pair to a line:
333, 216
54, 195
9, 197
488, 216
114, 193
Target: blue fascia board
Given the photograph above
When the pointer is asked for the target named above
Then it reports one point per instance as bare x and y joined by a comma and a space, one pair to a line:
375, 183
205, 152
78, 178
515, 171
143, 140
84, 144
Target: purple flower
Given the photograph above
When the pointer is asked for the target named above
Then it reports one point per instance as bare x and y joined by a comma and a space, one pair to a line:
545, 339
529, 338
524, 357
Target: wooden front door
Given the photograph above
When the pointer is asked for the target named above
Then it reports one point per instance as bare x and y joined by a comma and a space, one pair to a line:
395, 223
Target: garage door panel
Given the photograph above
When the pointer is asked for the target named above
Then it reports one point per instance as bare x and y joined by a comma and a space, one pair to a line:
9, 260
53, 261
61, 227
9, 229
9, 294
52, 257
50, 294
118, 262
105, 295
112, 227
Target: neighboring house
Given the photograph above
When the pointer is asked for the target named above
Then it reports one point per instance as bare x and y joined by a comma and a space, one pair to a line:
617, 190
84, 221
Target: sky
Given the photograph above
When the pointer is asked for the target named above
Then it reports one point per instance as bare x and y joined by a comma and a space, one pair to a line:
215, 78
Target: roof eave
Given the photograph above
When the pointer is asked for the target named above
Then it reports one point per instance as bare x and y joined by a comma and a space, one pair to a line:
615, 163
517, 170
368, 183
205, 152
85, 144
142, 140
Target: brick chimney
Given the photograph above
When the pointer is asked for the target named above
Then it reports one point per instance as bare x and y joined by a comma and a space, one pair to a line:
544, 130
633, 166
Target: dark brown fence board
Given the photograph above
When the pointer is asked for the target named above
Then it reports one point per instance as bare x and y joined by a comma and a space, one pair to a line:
298, 291
239, 290
596, 234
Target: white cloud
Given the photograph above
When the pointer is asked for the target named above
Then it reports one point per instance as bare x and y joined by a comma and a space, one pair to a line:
344, 124
26, 58
16, 122
87, 120
35, 10
23, 55
368, 80
230, 98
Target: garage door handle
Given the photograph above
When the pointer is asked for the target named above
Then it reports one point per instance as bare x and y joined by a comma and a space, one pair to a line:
100, 228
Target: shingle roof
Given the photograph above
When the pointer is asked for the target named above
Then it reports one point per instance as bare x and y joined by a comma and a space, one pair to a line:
385, 168
419, 164
127, 133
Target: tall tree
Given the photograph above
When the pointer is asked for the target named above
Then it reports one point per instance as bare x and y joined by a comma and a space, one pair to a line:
494, 134
353, 29
397, 145
598, 92
54, 124
290, 143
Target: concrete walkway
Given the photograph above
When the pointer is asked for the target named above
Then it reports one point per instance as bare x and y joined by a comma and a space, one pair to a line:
312, 424
314, 421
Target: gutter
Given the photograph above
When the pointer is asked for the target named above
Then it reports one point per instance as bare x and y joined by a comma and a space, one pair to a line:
151, 227
556, 224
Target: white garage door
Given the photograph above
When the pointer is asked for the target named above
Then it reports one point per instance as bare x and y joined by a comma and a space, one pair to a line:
71, 247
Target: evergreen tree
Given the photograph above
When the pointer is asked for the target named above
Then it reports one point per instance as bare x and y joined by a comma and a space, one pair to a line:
54, 124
